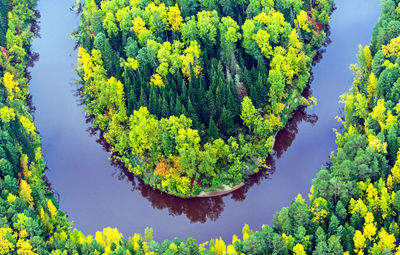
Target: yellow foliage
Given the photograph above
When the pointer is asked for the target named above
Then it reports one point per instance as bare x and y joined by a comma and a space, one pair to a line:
389, 182
157, 80
10, 85
11, 198
23, 233
359, 241
6, 247
294, 40
369, 226
396, 169
262, 40
219, 247
298, 249
25, 247
25, 192
174, 18
27, 124
231, 250
138, 25
302, 21
378, 113
393, 48
318, 212
7, 114
372, 88
134, 242
52, 209
376, 143
235, 239
386, 240
108, 236
288, 241
132, 63
190, 58
38, 153
135, 3
391, 121
358, 207
140, 29
85, 63
24, 164
246, 232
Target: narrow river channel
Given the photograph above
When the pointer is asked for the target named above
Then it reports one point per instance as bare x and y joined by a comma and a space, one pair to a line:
94, 194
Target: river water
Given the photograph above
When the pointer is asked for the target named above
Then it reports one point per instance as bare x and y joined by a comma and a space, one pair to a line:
95, 194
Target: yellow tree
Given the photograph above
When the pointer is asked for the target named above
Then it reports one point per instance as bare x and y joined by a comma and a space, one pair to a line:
24, 247
27, 124
378, 113
144, 132
174, 18
141, 31
7, 114
396, 169
6, 247
393, 48
386, 240
157, 80
219, 247
25, 192
11, 85
372, 88
359, 242
110, 25
52, 209
262, 40
301, 21
298, 249
108, 236
190, 58
369, 229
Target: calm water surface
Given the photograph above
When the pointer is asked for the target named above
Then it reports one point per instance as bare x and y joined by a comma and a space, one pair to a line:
95, 194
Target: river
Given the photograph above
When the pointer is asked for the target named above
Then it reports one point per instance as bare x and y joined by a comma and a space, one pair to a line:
95, 194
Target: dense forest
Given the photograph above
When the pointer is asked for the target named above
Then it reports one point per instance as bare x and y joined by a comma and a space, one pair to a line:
190, 94
354, 201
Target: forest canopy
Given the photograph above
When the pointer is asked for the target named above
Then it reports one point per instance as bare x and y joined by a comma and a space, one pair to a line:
354, 203
190, 94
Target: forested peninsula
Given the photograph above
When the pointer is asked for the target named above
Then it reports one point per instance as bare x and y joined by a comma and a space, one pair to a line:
354, 201
190, 94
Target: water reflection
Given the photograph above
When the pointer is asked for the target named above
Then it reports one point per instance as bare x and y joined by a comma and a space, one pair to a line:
203, 209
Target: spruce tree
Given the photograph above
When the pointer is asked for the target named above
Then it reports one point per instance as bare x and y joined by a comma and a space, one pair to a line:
193, 115
227, 125
165, 108
212, 130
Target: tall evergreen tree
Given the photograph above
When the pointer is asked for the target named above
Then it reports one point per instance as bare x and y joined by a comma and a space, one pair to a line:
213, 130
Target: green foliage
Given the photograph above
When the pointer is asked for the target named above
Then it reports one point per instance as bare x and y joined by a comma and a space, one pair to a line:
203, 60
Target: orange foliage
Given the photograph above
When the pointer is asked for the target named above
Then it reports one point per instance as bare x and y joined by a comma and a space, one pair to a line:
162, 168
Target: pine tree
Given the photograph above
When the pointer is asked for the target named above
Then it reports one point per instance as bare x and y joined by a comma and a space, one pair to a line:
212, 130
193, 115
143, 97
153, 102
178, 107
165, 108
227, 125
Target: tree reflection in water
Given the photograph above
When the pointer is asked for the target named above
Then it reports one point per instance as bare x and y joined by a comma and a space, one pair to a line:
204, 209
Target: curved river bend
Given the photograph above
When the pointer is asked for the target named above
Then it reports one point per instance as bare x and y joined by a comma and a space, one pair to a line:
95, 194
